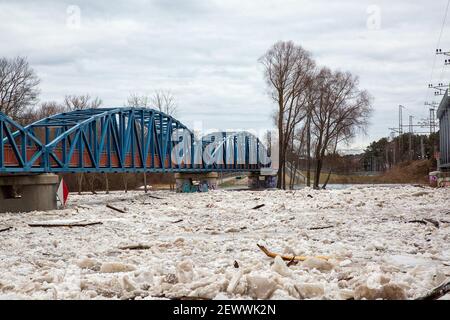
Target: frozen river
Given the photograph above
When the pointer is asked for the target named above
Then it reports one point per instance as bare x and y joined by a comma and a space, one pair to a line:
205, 245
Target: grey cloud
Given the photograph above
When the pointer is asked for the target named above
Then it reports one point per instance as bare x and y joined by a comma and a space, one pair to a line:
206, 51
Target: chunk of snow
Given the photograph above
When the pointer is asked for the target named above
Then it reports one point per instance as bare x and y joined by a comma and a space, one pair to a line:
310, 290
316, 263
390, 291
185, 271
87, 263
234, 280
260, 287
345, 263
112, 267
280, 267
127, 284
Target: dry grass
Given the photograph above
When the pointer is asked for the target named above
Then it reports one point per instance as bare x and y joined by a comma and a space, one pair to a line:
406, 172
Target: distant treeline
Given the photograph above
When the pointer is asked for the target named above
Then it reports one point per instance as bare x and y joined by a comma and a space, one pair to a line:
383, 154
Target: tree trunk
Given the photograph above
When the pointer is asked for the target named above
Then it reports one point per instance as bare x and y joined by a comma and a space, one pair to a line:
145, 182
80, 182
317, 173
281, 147
91, 179
308, 153
106, 183
294, 174
280, 156
326, 181
125, 182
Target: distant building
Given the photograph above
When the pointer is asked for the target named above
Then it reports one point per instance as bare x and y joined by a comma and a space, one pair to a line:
443, 115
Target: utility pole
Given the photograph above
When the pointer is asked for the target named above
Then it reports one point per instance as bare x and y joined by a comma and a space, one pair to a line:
387, 157
393, 153
411, 130
400, 131
393, 145
400, 119
422, 148
432, 120
432, 117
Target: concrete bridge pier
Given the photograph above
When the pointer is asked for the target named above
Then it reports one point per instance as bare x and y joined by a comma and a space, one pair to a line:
258, 181
24, 193
186, 182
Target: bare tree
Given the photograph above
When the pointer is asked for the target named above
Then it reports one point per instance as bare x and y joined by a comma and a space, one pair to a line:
164, 101
289, 70
81, 102
18, 86
138, 101
47, 109
44, 110
339, 110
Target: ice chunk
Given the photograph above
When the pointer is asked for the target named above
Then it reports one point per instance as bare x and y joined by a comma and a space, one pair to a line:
185, 271
281, 295
390, 291
310, 290
280, 267
208, 291
144, 277
316, 263
87, 263
346, 294
234, 281
112, 267
345, 263
260, 287
127, 284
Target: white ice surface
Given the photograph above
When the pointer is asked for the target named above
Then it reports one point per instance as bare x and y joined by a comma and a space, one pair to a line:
375, 252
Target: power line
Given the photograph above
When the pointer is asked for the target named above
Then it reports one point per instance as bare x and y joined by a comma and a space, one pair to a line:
442, 30
438, 45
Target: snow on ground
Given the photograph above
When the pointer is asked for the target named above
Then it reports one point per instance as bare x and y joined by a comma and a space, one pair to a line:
375, 252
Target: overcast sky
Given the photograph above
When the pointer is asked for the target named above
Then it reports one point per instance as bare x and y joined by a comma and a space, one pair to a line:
206, 52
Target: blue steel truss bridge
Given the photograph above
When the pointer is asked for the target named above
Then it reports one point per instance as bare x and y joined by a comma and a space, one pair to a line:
123, 140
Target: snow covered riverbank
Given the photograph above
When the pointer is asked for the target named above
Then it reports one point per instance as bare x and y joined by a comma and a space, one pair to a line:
192, 243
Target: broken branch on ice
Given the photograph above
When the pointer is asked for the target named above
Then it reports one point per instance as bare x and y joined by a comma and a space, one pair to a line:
320, 228
287, 257
417, 221
114, 208
135, 247
292, 262
155, 197
420, 193
5, 229
432, 221
426, 221
437, 293
258, 207
177, 221
50, 224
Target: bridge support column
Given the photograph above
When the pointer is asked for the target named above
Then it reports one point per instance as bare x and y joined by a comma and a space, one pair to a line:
258, 181
185, 182
28, 193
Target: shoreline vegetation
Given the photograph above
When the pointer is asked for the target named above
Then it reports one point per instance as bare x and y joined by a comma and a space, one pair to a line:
409, 172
